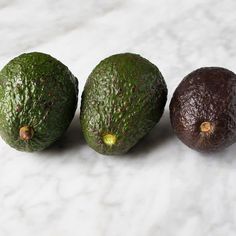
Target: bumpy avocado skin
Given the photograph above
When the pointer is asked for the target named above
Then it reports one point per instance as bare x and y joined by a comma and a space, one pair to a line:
125, 96
206, 94
36, 90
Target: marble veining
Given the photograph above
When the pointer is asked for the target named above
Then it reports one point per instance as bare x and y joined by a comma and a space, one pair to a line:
160, 187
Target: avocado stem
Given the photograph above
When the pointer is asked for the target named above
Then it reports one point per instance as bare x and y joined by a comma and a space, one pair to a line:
109, 139
206, 127
26, 133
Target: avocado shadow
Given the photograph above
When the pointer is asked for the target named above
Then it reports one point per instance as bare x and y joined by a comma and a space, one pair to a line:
158, 136
72, 139
226, 155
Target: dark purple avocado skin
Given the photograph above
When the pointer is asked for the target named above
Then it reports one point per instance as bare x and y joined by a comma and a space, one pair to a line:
206, 94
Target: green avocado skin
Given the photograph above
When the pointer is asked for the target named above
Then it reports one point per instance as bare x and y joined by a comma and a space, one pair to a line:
39, 91
125, 96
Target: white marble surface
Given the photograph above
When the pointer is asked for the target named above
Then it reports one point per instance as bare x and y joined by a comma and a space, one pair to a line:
161, 187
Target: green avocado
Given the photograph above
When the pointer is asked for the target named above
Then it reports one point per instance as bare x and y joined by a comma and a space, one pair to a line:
203, 109
123, 99
38, 99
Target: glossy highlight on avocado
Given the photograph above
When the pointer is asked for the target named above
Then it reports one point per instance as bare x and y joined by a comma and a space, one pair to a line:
38, 99
123, 99
203, 109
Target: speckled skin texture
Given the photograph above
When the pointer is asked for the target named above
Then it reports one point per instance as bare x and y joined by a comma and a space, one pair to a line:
125, 96
38, 91
205, 95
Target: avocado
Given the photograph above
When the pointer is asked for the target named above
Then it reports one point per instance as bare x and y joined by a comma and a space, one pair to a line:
203, 109
123, 99
38, 99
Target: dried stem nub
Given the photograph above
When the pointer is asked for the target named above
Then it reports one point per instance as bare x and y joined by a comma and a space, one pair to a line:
26, 133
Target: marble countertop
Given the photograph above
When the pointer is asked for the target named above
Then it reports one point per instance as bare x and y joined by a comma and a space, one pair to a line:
161, 187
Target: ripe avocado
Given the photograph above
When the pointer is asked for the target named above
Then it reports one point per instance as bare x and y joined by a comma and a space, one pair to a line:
124, 97
203, 109
38, 99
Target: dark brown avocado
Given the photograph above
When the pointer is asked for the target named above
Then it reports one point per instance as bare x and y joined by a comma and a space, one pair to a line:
203, 109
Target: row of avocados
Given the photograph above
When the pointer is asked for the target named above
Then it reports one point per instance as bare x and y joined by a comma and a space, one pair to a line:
123, 99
